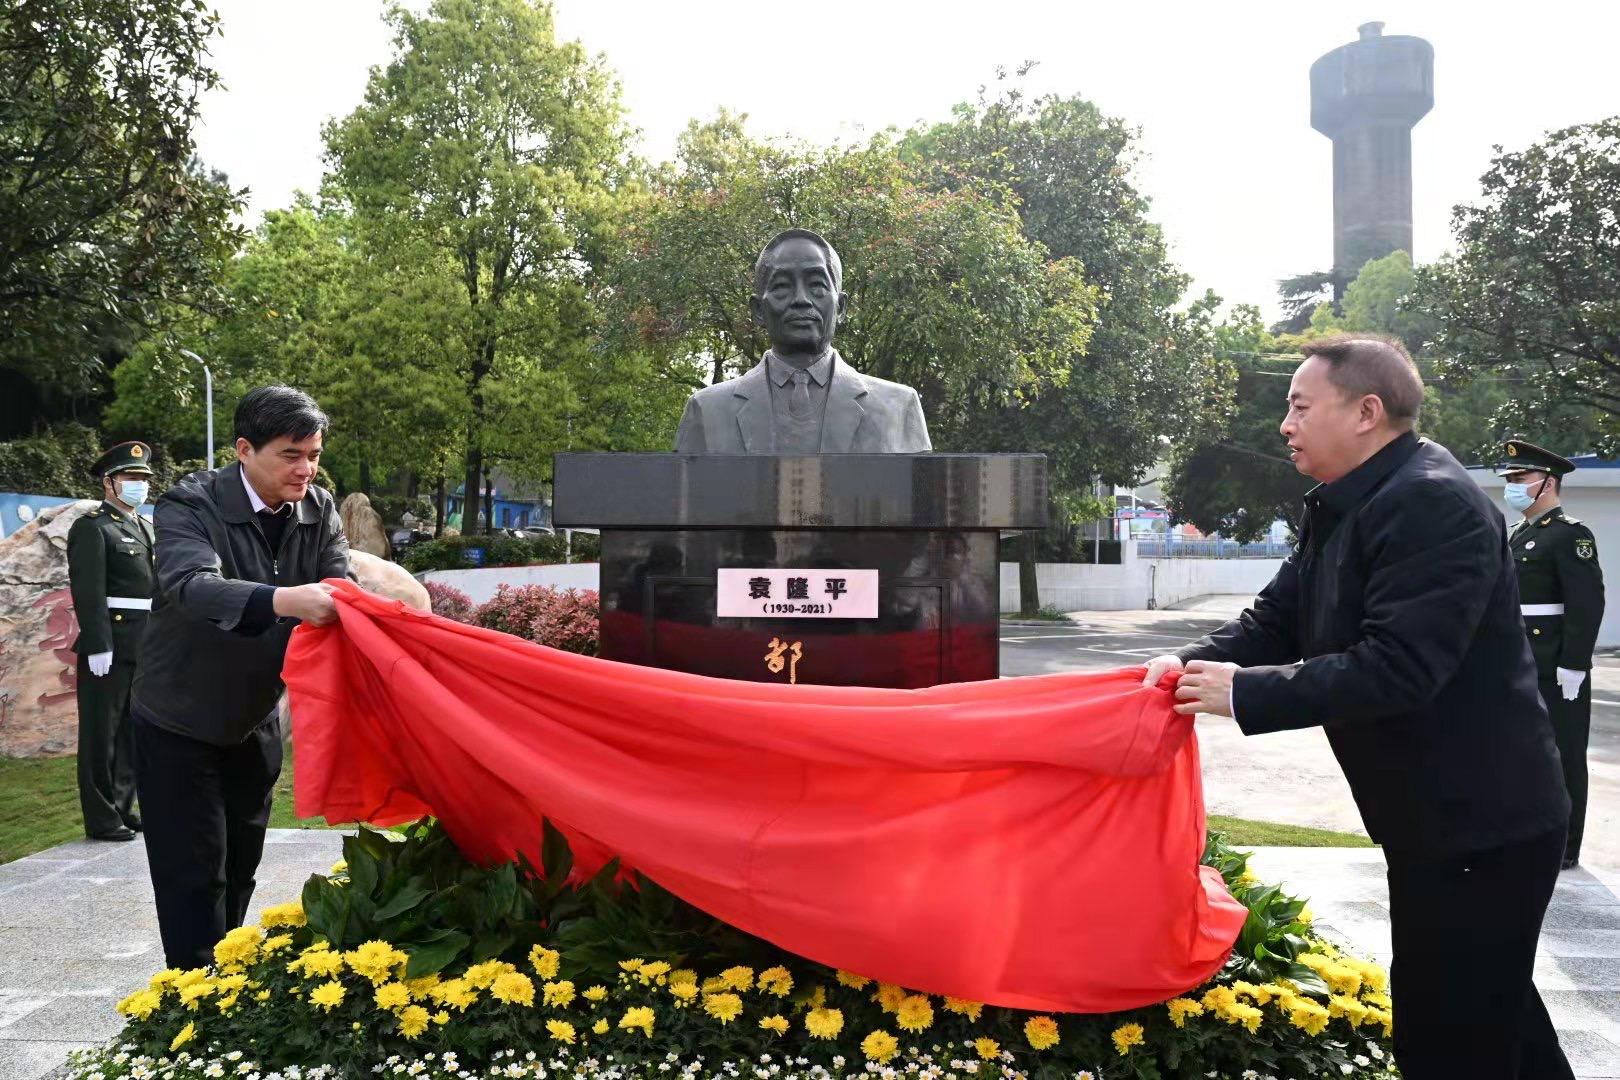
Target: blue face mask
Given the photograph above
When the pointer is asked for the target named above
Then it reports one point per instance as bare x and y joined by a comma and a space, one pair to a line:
1518, 496
133, 492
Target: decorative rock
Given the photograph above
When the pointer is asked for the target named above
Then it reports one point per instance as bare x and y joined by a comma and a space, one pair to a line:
364, 526
389, 579
38, 713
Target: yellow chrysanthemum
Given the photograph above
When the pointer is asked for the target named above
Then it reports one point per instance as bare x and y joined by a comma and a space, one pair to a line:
776, 980
1347, 1007
190, 977
1042, 1032
601, 1027
738, 978
238, 948
880, 1047
683, 993
723, 1007
191, 995
776, 1025
391, 996
317, 964
419, 987
824, 1023
854, 982
545, 962
230, 984
163, 980
513, 988
683, 975
441, 1017
1126, 1036
818, 997
1383, 1017
987, 1049
187, 1033
339, 867
277, 943
595, 994
262, 996
413, 1021
141, 1004
640, 1019
376, 960
1181, 1009
561, 1030
963, 1007
283, 915
483, 975
888, 996
1244, 1014
631, 965
559, 994
1373, 977
915, 1013
455, 993
1376, 999
1306, 915
1307, 1015
328, 995
650, 973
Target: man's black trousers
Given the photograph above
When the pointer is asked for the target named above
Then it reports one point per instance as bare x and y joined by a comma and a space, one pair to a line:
1464, 932
205, 809
1572, 728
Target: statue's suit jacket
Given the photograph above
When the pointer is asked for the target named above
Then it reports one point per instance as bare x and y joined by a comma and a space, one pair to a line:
865, 415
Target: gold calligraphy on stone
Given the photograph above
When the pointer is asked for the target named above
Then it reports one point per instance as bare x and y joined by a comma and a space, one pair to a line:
775, 663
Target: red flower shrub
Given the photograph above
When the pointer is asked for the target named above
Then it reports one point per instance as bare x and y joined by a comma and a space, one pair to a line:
449, 601
562, 619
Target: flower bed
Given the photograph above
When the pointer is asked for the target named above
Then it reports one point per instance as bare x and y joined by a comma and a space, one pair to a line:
408, 961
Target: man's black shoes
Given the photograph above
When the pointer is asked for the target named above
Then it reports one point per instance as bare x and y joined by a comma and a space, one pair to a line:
123, 832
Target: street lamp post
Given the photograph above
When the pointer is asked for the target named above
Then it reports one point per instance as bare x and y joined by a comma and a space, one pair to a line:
208, 389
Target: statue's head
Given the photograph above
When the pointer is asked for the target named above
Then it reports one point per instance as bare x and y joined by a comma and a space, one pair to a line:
798, 292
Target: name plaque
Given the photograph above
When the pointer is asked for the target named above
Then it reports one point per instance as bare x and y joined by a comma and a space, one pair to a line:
795, 593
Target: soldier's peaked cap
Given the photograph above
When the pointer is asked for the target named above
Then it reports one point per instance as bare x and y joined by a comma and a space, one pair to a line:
135, 457
1522, 455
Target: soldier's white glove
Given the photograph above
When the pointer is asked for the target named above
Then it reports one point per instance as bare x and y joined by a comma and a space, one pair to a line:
1569, 683
100, 663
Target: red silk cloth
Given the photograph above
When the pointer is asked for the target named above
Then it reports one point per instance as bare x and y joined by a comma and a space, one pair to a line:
1030, 842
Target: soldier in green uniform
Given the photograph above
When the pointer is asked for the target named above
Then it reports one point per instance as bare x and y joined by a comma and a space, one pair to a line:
1561, 590
112, 577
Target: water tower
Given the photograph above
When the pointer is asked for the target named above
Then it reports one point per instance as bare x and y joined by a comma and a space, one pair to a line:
1366, 97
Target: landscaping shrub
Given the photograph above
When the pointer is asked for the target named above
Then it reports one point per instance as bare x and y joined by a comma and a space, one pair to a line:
409, 960
560, 618
449, 601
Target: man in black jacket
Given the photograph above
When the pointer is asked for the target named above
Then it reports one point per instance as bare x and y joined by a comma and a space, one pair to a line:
241, 554
1401, 601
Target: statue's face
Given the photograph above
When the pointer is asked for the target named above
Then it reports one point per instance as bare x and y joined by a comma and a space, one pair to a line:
800, 306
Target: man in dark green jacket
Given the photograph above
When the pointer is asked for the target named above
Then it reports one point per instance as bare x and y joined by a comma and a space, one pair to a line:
1561, 593
242, 554
110, 572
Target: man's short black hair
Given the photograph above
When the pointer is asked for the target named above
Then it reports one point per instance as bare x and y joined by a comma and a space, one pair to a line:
273, 411
763, 264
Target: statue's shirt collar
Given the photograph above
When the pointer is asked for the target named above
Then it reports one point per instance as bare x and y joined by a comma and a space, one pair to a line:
781, 371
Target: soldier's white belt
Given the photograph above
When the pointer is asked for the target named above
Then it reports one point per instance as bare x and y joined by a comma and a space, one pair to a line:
1541, 609
135, 603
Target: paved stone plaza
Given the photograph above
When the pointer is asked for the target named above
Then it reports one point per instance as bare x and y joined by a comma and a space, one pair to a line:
78, 932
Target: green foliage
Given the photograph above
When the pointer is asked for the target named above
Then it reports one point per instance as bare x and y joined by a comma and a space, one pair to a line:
55, 462
1275, 933
446, 553
393, 509
1530, 293
450, 552
107, 226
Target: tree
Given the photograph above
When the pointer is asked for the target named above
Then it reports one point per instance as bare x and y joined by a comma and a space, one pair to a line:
487, 154
1240, 482
1530, 293
108, 227
1147, 376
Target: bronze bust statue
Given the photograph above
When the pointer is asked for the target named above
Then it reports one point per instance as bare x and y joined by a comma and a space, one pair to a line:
802, 398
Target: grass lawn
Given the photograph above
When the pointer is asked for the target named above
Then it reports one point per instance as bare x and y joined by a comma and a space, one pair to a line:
39, 808
1246, 833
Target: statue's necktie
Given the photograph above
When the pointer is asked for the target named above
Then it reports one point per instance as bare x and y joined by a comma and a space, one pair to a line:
799, 399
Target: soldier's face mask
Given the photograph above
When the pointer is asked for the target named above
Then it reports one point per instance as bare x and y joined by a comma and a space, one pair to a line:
133, 492
1523, 496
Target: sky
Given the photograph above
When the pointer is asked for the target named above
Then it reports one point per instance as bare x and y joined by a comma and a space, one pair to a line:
1239, 181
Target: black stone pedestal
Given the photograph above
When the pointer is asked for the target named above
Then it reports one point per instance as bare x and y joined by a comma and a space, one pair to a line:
927, 524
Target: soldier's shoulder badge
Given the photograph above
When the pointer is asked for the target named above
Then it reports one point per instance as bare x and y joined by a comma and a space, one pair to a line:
1584, 548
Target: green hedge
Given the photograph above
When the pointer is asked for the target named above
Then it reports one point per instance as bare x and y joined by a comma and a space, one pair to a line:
450, 553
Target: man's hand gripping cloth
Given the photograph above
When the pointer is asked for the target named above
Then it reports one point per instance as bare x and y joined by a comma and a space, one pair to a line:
1032, 843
